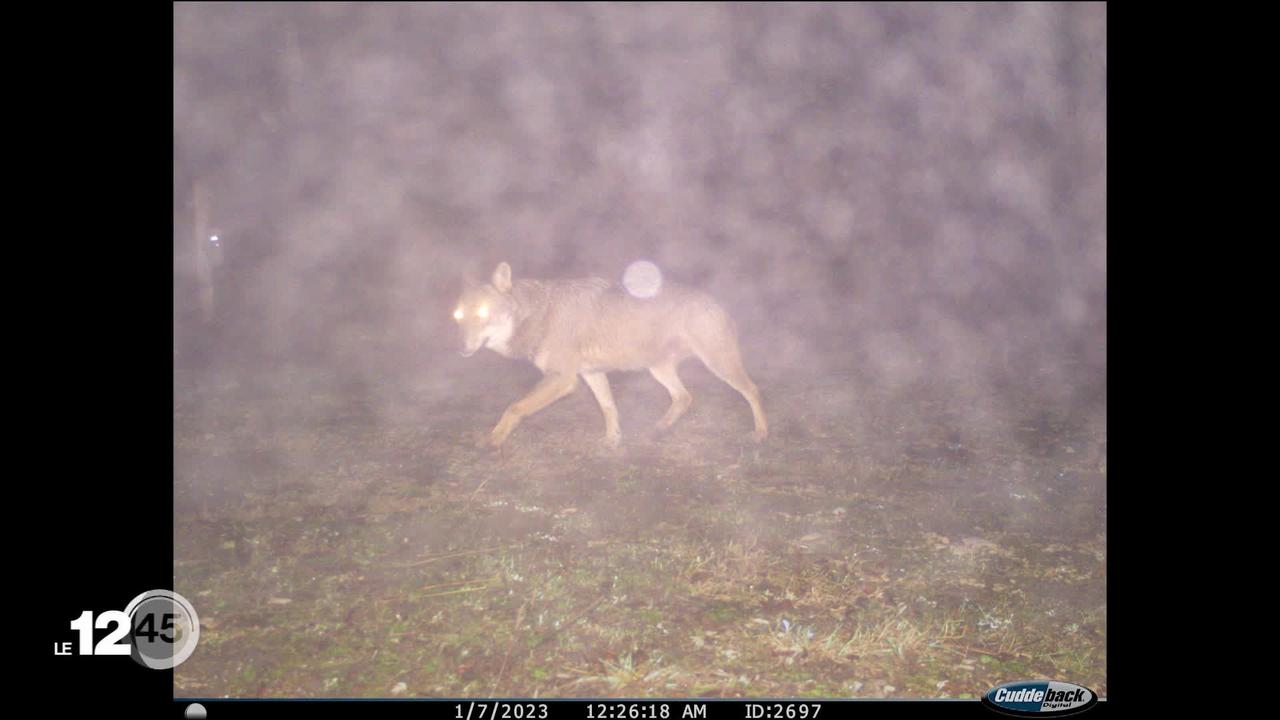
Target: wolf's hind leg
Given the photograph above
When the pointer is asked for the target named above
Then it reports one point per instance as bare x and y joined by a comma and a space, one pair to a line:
680, 397
726, 362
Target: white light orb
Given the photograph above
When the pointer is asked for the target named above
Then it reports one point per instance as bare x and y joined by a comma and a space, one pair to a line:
642, 279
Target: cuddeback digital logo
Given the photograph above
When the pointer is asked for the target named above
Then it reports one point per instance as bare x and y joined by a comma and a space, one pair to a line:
1041, 697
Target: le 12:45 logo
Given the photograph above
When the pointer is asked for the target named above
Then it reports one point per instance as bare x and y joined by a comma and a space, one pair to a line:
159, 629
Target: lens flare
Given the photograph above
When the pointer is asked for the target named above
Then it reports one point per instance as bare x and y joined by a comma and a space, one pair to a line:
642, 279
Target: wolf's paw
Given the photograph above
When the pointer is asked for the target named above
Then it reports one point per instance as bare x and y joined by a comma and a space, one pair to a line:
488, 441
760, 435
611, 442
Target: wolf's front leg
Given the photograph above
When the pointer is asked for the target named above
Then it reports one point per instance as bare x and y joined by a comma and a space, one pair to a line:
599, 384
549, 389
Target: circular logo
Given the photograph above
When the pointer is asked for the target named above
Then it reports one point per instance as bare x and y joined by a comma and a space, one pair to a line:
164, 628
1039, 697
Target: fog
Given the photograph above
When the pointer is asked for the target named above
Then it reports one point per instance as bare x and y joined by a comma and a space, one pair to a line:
902, 207
911, 191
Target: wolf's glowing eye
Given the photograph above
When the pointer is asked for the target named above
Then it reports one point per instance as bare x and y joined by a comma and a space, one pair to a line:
483, 311
457, 314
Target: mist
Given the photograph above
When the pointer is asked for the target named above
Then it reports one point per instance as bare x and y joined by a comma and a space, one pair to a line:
893, 201
912, 185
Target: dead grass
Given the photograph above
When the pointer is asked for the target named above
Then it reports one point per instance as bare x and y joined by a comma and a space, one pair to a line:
917, 557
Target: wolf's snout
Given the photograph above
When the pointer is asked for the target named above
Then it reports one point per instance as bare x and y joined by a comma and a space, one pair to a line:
470, 346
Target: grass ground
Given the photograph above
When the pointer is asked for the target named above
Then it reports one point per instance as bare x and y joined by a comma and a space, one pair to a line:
349, 541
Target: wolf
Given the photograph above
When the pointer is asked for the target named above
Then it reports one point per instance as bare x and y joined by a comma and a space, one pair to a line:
589, 327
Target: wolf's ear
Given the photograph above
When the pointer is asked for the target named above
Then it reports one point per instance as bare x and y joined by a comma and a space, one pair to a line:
502, 277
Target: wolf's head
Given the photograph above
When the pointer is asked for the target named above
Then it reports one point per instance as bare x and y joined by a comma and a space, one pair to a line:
485, 313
